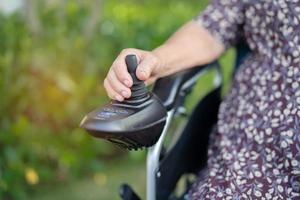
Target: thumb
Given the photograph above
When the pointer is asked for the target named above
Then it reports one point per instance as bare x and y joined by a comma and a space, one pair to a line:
145, 68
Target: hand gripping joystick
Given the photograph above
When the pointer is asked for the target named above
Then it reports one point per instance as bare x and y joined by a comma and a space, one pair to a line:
139, 92
135, 123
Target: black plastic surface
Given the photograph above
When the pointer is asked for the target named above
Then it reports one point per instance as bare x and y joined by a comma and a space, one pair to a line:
127, 193
130, 126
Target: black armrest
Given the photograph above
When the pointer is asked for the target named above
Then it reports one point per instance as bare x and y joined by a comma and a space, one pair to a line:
168, 88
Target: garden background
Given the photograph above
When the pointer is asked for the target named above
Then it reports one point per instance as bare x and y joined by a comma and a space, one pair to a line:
54, 55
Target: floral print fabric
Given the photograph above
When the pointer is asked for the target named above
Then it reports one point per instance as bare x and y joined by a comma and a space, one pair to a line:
255, 151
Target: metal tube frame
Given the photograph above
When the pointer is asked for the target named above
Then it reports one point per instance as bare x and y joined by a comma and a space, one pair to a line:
153, 160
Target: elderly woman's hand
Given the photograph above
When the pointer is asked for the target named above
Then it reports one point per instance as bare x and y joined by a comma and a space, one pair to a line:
118, 81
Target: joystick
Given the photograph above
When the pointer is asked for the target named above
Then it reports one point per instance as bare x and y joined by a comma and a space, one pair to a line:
134, 123
139, 92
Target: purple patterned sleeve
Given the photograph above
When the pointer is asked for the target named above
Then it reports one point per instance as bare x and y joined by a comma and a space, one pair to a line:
223, 19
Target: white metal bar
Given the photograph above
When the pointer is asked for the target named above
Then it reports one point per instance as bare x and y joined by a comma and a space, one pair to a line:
153, 160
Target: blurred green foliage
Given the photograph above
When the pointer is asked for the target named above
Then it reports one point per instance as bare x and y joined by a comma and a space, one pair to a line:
51, 73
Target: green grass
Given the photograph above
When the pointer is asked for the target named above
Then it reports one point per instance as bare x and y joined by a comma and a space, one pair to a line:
103, 185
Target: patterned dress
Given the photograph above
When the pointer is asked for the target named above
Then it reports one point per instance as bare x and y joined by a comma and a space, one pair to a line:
255, 151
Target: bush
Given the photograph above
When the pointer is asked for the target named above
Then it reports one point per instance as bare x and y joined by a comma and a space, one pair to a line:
50, 79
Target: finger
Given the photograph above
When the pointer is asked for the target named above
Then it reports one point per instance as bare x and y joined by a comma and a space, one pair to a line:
117, 85
120, 69
111, 92
145, 68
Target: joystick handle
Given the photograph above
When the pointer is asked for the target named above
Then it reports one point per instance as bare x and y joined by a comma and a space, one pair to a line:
139, 92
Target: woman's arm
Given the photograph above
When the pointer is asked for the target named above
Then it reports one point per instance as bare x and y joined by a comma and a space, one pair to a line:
192, 45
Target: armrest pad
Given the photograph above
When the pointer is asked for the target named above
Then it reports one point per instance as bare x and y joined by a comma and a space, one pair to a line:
168, 88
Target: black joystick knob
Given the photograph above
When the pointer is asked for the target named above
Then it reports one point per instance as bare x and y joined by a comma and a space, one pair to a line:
139, 92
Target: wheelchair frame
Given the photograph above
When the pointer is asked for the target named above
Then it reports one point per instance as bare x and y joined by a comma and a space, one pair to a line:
154, 152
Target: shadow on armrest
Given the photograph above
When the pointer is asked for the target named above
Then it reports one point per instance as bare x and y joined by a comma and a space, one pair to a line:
168, 88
